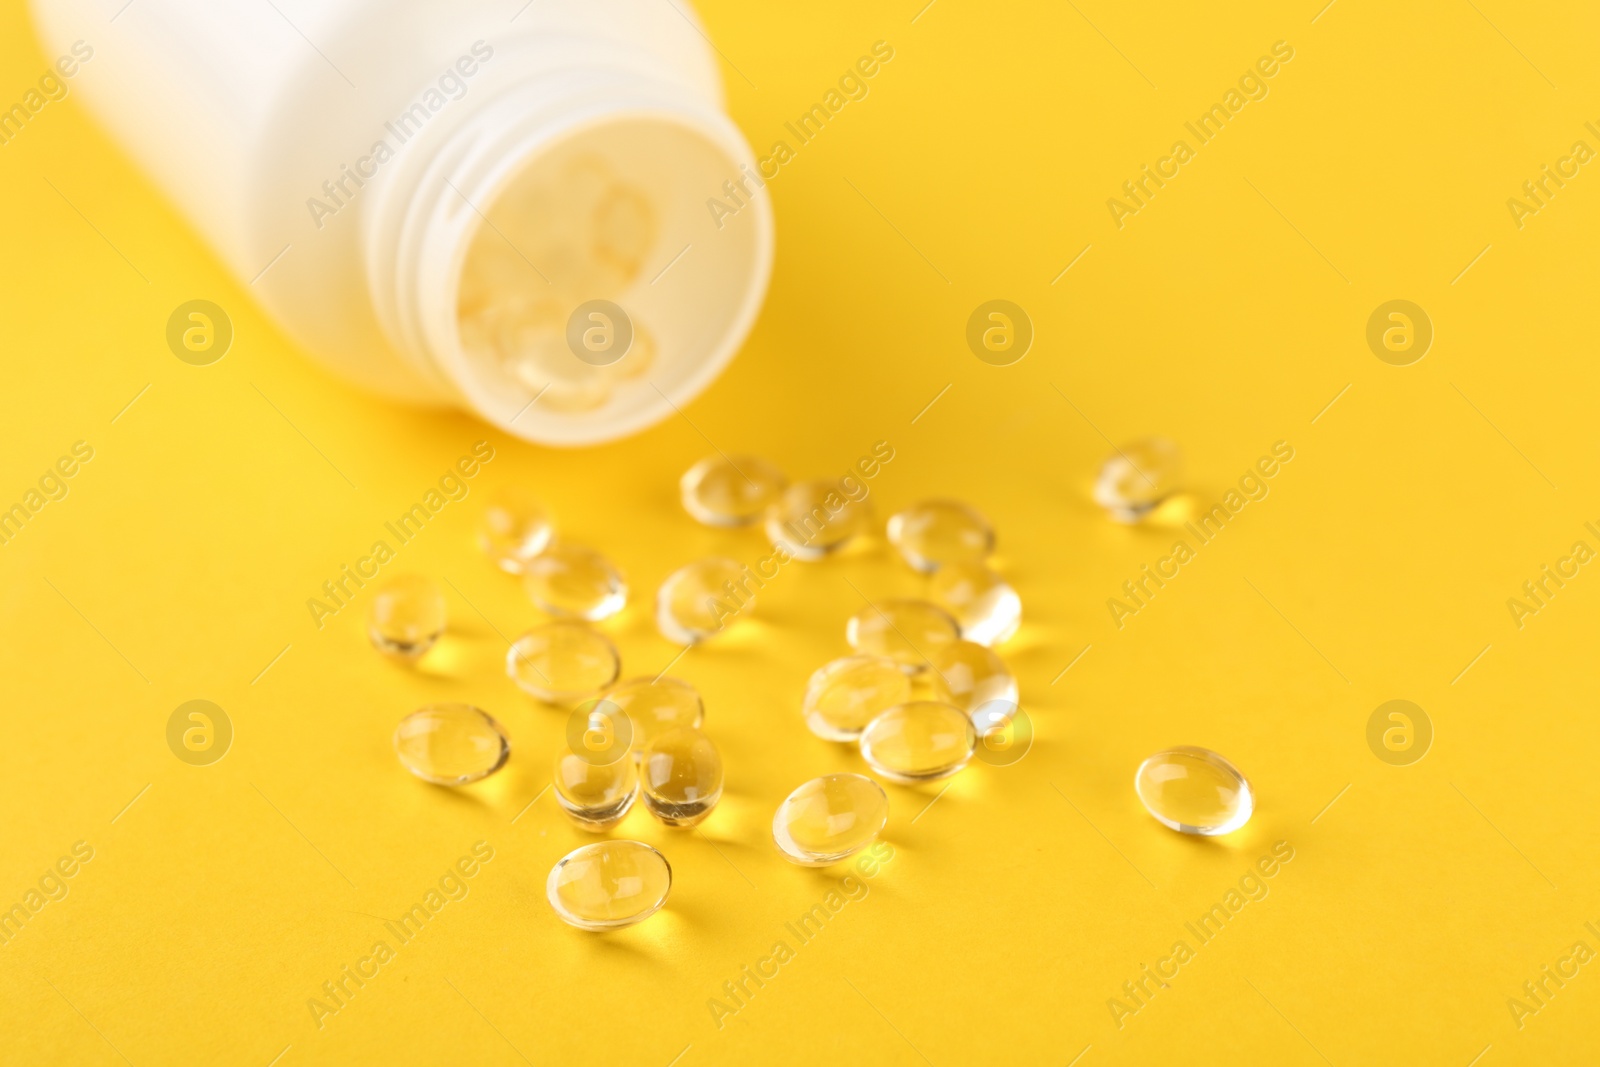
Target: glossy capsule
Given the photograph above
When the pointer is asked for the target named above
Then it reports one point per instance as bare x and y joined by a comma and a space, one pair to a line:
730, 490
812, 519
968, 675
595, 796
1194, 791
655, 705
576, 582
1138, 477
983, 604
681, 777
829, 819
906, 631
919, 742
407, 617
563, 662
451, 744
698, 599
935, 532
846, 694
608, 885
514, 530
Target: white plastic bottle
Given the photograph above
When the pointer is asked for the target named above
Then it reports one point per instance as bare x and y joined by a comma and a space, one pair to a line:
430, 195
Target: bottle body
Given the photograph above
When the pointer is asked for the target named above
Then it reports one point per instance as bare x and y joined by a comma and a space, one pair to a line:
424, 193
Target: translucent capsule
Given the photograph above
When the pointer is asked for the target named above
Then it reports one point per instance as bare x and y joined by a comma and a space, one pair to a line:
919, 742
829, 819
936, 532
575, 581
655, 705
730, 491
983, 603
682, 777
812, 519
906, 631
845, 695
451, 744
699, 598
563, 661
595, 795
969, 676
1138, 478
406, 617
1194, 791
609, 884
515, 529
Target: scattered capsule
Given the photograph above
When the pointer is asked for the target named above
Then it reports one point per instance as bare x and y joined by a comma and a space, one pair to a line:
829, 819
919, 742
451, 744
1138, 478
563, 661
406, 617
730, 491
812, 519
595, 795
682, 777
655, 705
515, 529
983, 603
906, 631
936, 532
576, 582
1194, 791
968, 675
845, 695
700, 598
609, 884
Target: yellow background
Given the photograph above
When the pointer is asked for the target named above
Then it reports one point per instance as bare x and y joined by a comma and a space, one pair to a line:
1226, 315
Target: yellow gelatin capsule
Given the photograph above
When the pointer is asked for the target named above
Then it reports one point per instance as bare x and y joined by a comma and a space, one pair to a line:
655, 705
983, 603
812, 519
935, 532
1138, 478
451, 744
407, 617
515, 529
563, 661
846, 694
829, 819
682, 777
699, 598
730, 491
595, 796
576, 582
1194, 791
968, 675
609, 884
919, 742
906, 631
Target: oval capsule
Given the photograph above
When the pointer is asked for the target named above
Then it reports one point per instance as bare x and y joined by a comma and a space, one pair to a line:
1194, 791
609, 884
451, 744
846, 694
919, 742
829, 819
906, 631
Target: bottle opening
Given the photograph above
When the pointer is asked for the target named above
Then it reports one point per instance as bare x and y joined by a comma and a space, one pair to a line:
595, 287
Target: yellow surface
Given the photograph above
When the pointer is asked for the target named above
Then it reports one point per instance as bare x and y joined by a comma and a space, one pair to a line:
1226, 314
